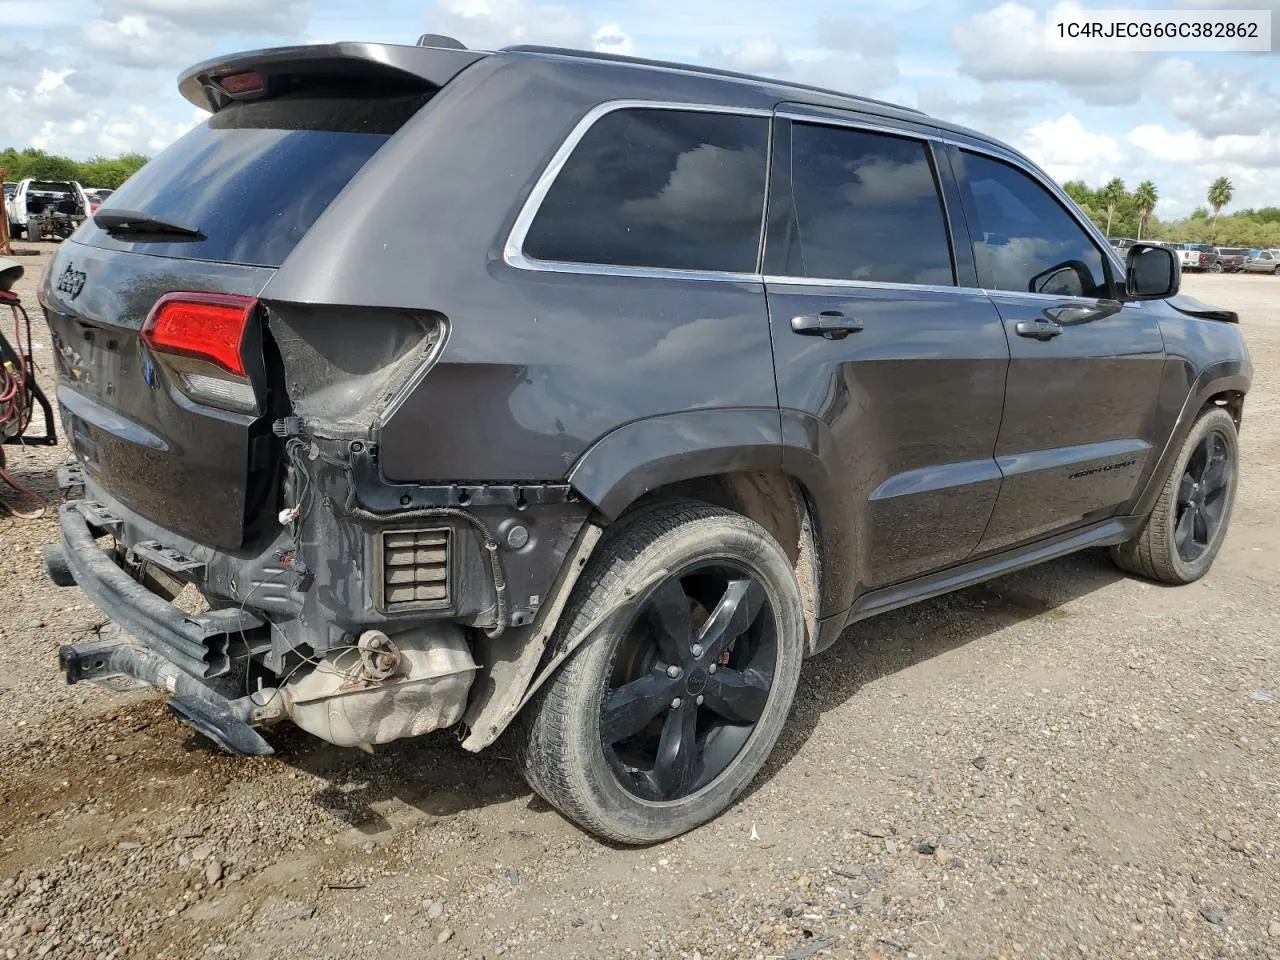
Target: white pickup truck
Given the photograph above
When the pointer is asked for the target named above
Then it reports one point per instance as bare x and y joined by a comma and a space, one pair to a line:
1196, 256
47, 208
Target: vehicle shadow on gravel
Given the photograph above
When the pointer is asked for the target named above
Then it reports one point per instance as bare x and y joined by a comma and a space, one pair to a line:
434, 776
904, 638
430, 775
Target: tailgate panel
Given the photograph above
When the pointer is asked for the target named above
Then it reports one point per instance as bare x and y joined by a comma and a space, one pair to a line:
180, 464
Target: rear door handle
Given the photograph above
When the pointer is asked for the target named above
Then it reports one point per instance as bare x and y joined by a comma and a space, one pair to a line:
1038, 329
831, 324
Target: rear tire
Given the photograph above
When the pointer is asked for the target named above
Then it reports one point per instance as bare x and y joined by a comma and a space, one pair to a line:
1215, 268
1186, 527
586, 739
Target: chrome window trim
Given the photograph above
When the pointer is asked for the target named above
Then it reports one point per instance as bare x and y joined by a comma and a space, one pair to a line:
796, 116
513, 254
868, 284
513, 250
1048, 297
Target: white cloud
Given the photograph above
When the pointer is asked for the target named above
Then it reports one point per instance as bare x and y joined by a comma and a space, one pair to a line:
1189, 148
1067, 151
752, 55
1008, 43
52, 115
611, 38
1216, 102
243, 17
998, 110
852, 56
492, 24
135, 40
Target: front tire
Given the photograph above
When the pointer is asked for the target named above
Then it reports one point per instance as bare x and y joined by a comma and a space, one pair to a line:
658, 726
1186, 527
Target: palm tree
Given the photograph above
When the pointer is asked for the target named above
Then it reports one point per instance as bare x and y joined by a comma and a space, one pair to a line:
1146, 198
1219, 196
1112, 193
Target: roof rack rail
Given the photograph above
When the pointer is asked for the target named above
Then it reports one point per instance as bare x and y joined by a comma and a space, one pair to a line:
440, 40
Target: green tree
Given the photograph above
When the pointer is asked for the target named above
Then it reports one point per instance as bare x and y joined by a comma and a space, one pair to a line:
1200, 213
1079, 191
1219, 196
1112, 194
1145, 199
98, 172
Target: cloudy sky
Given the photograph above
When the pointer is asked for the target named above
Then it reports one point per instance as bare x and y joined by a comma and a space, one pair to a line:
85, 77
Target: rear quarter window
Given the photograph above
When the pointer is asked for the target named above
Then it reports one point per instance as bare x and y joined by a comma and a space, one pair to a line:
666, 189
255, 176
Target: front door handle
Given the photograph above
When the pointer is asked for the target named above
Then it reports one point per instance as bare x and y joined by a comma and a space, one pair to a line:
831, 324
1038, 329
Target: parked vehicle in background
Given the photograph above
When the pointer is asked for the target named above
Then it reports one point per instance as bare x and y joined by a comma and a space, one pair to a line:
47, 208
9, 189
1229, 259
1262, 261
588, 395
1121, 245
97, 197
1195, 256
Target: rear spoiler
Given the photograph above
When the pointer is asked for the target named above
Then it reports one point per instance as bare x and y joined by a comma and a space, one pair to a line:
425, 68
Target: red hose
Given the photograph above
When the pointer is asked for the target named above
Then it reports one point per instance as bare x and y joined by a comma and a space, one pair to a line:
15, 401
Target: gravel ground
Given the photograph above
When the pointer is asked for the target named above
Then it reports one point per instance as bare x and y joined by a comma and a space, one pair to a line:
1062, 762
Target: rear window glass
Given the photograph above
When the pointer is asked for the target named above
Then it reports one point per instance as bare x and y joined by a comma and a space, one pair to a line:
670, 189
255, 176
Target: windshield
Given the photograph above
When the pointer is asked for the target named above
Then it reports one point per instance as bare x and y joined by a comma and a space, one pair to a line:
255, 176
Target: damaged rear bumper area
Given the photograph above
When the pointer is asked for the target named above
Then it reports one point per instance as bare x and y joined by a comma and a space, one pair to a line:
372, 689
155, 643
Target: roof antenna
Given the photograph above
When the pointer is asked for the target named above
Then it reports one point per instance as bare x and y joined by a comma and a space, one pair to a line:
440, 40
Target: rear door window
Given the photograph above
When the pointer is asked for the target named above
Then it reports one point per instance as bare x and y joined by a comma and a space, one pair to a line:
867, 207
255, 176
667, 189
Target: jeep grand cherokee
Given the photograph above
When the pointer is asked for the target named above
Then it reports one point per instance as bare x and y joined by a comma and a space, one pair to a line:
585, 396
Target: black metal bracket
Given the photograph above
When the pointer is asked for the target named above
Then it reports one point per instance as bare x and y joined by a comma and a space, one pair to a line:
70, 475
375, 493
168, 559
100, 518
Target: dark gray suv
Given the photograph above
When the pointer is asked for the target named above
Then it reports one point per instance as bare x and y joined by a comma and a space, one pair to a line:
582, 397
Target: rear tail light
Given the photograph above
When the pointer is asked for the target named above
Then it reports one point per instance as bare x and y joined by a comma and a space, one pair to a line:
201, 338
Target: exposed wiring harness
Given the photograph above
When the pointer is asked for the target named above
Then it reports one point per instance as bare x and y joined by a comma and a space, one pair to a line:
292, 429
16, 388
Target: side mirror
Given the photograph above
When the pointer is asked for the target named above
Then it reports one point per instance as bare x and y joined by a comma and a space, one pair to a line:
1069, 279
1152, 272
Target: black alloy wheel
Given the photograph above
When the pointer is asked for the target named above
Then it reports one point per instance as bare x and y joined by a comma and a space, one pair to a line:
1202, 497
690, 680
